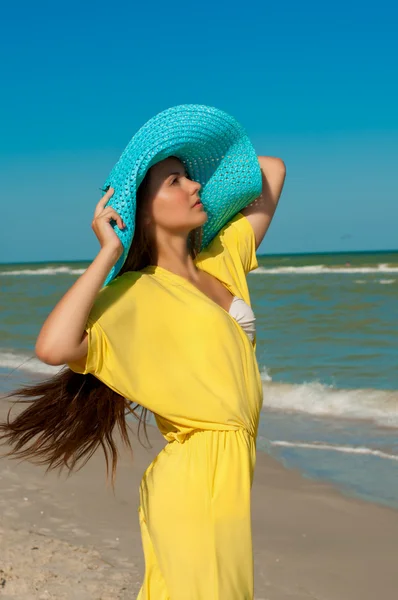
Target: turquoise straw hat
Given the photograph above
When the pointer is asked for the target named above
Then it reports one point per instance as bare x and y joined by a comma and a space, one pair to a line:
215, 151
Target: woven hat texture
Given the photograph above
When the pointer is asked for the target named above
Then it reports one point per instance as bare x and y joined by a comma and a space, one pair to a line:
215, 151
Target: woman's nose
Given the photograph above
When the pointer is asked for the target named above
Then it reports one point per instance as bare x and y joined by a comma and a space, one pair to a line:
197, 185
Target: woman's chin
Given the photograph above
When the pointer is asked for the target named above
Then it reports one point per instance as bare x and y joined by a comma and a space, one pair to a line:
201, 217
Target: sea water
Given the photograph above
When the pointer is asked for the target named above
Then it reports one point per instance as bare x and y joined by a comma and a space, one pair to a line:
327, 331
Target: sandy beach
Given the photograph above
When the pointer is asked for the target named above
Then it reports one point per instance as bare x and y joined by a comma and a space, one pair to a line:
72, 538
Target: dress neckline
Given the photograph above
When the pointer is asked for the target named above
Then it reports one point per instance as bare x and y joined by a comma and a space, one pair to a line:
180, 280
175, 279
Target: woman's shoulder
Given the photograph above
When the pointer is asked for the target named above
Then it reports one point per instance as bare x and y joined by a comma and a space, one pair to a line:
234, 243
121, 293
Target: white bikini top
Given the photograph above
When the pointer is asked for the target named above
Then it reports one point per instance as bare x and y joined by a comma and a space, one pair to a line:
243, 314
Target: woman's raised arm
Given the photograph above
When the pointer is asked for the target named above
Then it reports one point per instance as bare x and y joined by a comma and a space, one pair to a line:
62, 337
261, 211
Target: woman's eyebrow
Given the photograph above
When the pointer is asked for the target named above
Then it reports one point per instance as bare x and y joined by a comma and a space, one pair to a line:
177, 173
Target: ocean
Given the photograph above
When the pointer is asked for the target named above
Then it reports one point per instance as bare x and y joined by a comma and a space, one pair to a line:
327, 333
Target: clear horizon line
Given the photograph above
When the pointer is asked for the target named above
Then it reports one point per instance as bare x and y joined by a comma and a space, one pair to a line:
324, 253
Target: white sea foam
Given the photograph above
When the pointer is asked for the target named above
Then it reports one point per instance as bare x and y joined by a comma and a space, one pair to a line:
265, 376
379, 406
26, 362
344, 449
302, 270
324, 270
42, 271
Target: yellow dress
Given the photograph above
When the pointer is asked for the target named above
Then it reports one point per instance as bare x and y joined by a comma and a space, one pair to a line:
156, 339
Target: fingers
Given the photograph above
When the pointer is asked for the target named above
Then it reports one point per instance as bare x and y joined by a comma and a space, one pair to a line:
110, 213
101, 204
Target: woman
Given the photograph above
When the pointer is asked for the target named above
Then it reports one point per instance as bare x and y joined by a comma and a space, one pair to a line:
173, 332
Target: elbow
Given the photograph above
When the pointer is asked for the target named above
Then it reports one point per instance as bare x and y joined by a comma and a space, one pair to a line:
48, 356
272, 162
281, 165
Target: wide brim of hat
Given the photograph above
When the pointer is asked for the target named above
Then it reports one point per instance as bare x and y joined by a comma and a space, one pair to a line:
216, 152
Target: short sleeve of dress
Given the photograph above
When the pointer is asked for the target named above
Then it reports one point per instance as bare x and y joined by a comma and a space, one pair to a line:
234, 245
89, 363
238, 237
231, 255
106, 326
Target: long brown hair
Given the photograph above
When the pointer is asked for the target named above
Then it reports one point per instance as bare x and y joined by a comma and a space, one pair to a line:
71, 414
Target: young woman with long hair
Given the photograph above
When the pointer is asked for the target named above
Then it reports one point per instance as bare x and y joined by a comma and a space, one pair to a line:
172, 333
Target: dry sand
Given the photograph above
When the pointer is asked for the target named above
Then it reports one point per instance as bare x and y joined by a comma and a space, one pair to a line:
72, 538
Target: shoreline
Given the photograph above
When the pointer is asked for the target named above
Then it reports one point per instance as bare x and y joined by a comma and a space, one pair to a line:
70, 537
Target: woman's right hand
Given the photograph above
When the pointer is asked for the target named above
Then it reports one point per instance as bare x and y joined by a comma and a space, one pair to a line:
101, 226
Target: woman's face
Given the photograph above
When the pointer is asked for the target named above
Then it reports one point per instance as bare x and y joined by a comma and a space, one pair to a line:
172, 197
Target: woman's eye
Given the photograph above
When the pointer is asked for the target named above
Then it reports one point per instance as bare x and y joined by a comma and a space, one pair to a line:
177, 178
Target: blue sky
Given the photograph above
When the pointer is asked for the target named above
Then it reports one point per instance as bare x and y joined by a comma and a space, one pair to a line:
312, 83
